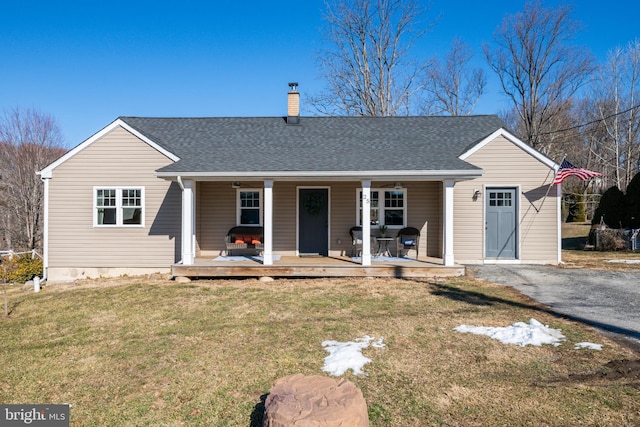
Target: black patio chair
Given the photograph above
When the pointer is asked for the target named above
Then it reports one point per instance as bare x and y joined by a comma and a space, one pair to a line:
408, 238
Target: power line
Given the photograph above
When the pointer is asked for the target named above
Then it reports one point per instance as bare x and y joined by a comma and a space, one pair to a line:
591, 122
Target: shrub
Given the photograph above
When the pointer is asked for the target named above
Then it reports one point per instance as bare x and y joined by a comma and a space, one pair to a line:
611, 209
632, 200
607, 239
22, 268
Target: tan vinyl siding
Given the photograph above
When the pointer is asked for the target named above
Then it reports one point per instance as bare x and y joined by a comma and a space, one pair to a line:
118, 159
424, 213
285, 218
505, 164
217, 211
216, 214
343, 216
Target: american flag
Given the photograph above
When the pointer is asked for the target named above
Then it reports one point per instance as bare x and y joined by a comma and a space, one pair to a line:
567, 169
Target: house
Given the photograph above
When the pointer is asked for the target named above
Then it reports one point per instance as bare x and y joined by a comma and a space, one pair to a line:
147, 195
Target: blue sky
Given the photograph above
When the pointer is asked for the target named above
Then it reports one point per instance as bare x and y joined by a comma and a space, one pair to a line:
88, 62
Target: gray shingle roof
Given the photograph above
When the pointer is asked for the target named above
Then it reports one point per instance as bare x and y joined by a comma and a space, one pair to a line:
317, 144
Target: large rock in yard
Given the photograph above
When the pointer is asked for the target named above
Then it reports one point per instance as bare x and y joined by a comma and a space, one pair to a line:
315, 401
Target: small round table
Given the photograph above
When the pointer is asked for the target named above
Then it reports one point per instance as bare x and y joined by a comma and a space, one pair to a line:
383, 246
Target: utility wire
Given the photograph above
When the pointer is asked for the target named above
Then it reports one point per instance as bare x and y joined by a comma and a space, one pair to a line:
591, 122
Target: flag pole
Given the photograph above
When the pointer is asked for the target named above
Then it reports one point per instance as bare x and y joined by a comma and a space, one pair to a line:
551, 184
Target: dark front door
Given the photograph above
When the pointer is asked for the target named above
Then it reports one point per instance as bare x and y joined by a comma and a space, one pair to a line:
501, 226
313, 221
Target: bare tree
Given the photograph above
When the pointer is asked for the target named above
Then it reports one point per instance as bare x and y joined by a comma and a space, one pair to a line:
369, 68
29, 140
616, 129
538, 66
453, 88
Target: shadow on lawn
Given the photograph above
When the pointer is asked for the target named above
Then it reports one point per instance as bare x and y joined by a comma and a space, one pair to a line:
479, 298
574, 243
257, 416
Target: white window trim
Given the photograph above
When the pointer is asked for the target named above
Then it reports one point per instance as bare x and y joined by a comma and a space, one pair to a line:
119, 207
381, 207
239, 207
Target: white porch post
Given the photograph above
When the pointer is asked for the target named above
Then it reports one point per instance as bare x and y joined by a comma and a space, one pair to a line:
559, 220
267, 254
447, 203
188, 222
366, 222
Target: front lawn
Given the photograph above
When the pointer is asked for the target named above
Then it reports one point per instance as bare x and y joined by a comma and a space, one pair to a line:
148, 351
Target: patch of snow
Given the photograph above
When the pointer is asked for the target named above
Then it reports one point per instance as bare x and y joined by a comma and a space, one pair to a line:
520, 333
624, 261
588, 345
348, 355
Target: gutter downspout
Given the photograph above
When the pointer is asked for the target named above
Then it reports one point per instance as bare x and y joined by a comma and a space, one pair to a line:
45, 227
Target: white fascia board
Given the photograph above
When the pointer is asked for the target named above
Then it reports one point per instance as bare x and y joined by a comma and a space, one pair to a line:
515, 140
47, 172
330, 175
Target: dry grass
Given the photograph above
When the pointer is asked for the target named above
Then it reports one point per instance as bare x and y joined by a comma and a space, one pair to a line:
148, 351
574, 238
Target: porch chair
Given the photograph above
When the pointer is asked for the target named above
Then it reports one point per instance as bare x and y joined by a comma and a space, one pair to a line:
408, 238
356, 241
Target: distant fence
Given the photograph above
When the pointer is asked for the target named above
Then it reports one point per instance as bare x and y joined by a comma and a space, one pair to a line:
10, 253
607, 239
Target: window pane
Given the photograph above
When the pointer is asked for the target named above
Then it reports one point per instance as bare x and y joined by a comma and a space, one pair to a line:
393, 199
393, 217
106, 216
132, 216
250, 199
375, 208
131, 198
374, 218
106, 197
500, 198
250, 216
374, 199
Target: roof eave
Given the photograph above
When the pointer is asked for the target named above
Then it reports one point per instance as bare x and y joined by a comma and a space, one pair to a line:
414, 175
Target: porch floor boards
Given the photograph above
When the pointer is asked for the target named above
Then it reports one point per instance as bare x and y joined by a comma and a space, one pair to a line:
291, 266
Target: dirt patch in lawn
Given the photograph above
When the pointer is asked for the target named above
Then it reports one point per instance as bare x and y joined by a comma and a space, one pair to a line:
623, 372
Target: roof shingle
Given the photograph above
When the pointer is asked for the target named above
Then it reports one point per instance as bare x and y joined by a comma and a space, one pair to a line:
316, 144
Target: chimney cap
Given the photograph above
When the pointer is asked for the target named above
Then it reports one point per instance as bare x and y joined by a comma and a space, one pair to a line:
293, 85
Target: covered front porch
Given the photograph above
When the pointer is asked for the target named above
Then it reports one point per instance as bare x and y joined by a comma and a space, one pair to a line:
291, 214
332, 266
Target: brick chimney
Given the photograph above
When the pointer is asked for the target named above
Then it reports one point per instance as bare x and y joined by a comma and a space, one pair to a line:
293, 104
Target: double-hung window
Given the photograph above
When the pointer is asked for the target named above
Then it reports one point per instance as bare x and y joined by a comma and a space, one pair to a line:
388, 207
249, 207
118, 206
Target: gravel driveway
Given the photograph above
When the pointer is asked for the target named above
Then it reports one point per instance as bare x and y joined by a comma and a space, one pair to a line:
608, 300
